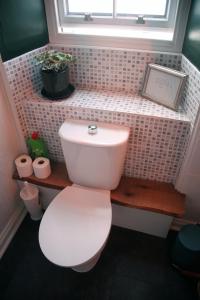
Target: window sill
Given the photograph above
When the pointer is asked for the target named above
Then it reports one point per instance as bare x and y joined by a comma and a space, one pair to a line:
152, 39
119, 32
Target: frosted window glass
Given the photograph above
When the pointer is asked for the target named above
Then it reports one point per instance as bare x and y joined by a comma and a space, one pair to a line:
91, 6
141, 7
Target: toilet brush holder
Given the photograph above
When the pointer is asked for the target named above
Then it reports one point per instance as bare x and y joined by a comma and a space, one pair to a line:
30, 196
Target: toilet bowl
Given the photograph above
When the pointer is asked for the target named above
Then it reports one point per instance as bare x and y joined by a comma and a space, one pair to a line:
76, 225
77, 219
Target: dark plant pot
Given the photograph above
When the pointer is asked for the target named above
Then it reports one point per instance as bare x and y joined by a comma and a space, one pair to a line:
55, 83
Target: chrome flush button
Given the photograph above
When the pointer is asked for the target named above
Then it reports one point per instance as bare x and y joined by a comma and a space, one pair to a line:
92, 129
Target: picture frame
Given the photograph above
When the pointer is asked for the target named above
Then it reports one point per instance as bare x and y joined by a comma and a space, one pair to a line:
163, 85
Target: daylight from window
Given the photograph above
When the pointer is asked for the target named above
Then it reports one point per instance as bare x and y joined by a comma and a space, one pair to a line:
90, 6
118, 7
141, 7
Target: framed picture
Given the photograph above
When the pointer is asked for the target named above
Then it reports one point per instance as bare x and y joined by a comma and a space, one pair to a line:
163, 85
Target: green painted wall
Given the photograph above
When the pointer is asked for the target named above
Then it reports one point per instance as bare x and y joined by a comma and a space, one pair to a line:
23, 27
191, 47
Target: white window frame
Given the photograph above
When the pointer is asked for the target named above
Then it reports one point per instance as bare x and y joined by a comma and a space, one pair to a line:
144, 37
166, 21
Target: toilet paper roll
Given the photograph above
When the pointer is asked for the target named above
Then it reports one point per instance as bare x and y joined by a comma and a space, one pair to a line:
24, 165
41, 167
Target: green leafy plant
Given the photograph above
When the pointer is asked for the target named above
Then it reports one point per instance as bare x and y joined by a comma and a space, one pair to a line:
54, 61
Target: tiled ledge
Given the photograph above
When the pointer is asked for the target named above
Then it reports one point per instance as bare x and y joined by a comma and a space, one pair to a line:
121, 102
158, 135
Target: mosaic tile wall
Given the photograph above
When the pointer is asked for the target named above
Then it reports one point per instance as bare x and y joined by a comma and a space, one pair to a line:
22, 73
106, 81
116, 70
156, 142
155, 145
94, 68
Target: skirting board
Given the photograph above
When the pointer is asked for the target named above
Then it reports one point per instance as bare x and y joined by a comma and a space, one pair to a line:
141, 220
11, 227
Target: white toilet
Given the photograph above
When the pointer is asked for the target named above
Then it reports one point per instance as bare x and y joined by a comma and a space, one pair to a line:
76, 225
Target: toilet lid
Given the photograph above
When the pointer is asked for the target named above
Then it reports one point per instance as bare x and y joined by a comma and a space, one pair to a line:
76, 225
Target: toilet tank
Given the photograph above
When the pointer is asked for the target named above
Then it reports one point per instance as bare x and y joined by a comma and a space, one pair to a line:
94, 155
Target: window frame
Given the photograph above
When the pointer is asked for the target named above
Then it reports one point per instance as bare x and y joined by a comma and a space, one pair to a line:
143, 38
150, 21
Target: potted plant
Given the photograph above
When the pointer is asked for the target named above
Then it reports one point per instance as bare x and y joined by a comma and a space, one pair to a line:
55, 73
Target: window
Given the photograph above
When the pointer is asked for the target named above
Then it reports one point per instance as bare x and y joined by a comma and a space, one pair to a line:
156, 13
157, 25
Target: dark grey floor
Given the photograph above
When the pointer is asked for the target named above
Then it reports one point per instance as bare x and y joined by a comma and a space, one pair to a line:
133, 266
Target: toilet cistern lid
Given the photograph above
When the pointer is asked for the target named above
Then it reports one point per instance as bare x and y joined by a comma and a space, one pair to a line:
77, 131
75, 226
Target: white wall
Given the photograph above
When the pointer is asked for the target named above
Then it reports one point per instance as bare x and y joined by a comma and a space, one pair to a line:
11, 145
188, 181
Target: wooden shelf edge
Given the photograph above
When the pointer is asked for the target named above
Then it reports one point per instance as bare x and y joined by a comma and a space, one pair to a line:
136, 193
150, 209
57, 180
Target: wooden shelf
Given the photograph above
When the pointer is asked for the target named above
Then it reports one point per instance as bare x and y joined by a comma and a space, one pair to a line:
57, 180
149, 195
132, 192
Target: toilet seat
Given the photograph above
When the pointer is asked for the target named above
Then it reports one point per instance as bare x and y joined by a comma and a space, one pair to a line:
76, 225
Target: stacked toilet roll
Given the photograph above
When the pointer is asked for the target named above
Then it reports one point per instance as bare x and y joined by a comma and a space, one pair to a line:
24, 165
40, 166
